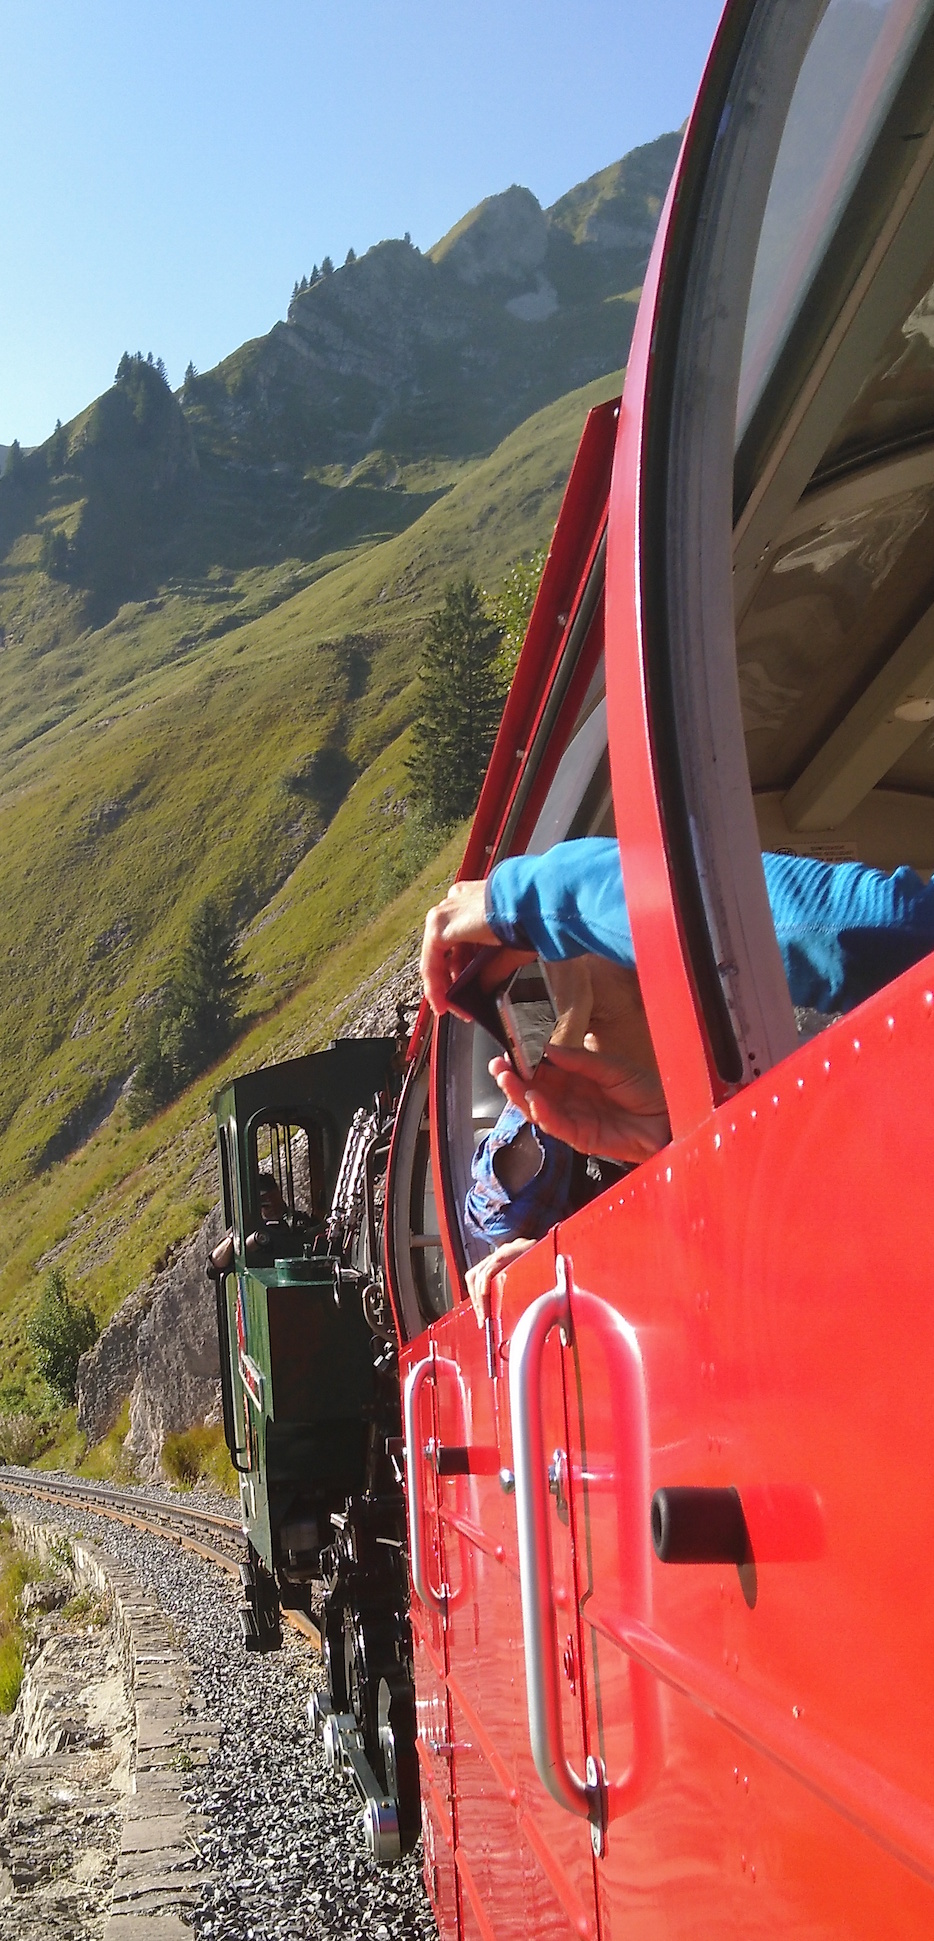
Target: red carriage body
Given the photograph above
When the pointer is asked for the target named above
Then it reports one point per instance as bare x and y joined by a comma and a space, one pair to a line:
732, 649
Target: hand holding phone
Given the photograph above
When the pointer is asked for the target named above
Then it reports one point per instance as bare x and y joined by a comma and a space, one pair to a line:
520, 1014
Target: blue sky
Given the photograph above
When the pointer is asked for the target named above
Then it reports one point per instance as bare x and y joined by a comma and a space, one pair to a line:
170, 169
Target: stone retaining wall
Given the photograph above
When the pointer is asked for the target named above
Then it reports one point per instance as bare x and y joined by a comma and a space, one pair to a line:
157, 1881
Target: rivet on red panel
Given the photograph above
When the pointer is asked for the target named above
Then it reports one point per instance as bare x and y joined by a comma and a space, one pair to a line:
717, 1142
857, 1046
890, 1025
928, 1002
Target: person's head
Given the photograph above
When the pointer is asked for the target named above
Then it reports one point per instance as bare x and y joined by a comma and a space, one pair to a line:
272, 1206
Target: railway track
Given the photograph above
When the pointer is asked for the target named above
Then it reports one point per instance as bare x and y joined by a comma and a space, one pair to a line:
177, 1523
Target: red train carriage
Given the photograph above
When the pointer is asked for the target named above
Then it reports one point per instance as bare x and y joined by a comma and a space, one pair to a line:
732, 650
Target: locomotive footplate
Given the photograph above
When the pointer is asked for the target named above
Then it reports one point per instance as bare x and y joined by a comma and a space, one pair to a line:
344, 1750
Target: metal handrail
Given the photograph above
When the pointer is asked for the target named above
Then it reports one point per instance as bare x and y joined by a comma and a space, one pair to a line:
418, 1548
542, 1671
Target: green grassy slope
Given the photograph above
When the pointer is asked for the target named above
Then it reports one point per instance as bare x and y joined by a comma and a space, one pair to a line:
180, 762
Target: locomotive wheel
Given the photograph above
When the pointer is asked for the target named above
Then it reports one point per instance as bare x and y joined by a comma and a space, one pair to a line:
368, 1652
396, 1712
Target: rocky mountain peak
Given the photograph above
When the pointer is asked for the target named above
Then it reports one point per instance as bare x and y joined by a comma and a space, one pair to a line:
505, 236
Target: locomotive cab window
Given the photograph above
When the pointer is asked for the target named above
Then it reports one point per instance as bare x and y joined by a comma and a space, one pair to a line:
286, 1175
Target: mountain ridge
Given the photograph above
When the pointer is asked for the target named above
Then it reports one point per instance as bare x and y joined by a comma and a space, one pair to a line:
208, 646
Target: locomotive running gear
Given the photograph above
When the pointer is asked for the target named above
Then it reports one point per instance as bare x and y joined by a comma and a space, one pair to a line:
843, 929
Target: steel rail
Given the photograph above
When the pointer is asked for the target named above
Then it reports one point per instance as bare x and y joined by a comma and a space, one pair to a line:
157, 1521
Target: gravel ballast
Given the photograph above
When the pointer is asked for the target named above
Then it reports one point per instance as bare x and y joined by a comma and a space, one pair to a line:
282, 1850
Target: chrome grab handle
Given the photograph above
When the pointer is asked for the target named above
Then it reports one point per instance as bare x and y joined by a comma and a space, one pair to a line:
542, 1671
418, 1547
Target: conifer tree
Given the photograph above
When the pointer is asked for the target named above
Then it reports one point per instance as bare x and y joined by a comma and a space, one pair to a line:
57, 450
193, 1019
327, 267
15, 462
459, 708
350, 257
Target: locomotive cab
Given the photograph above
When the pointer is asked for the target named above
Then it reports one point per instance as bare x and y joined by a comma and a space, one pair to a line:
297, 1361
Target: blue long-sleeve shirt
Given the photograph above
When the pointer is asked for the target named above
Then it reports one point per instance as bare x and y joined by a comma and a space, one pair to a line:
843, 929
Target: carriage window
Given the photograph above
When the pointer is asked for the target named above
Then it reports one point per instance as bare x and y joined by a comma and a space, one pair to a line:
413, 1233
575, 801
847, 82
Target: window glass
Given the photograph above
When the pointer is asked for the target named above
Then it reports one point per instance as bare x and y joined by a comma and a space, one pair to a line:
577, 802
289, 1157
851, 72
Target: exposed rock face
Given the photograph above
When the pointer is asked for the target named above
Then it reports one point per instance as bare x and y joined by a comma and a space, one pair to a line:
506, 236
177, 1355
107, 1372
66, 1773
408, 354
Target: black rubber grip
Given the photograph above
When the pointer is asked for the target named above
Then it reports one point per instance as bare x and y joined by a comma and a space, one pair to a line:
699, 1526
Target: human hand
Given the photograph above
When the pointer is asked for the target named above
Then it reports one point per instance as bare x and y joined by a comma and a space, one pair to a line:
595, 1102
479, 1277
454, 929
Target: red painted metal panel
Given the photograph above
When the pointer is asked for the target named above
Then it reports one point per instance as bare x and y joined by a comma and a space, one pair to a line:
691, 1081
576, 537
526, 1868
776, 1273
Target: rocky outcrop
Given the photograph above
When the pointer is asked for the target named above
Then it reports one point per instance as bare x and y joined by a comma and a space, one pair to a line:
107, 1372
160, 1348
507, 235
178, 1378
404, 354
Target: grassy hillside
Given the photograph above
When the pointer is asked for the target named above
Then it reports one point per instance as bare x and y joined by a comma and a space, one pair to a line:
211, 610
178, 767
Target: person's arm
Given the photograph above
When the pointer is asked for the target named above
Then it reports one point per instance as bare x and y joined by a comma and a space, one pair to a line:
844, 929
568, 902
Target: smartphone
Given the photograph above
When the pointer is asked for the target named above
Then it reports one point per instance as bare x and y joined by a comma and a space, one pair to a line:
520, 1014
528, 1015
